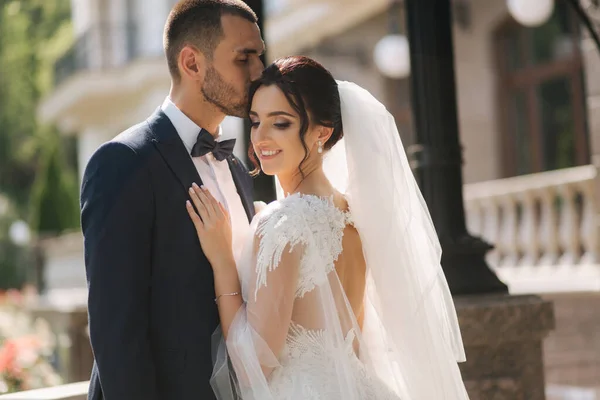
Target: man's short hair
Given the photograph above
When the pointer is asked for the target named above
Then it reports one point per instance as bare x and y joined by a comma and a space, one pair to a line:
198, 23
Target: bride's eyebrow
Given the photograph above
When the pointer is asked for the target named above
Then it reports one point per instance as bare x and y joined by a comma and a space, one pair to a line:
274, 114
278, 113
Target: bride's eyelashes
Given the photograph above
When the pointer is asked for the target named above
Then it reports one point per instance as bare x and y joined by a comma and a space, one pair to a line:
278, 125
282, 125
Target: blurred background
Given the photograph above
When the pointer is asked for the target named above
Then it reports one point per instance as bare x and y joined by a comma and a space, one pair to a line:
74, 73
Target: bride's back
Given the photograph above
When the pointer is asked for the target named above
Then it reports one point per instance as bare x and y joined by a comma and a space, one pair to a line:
347, 277
351, 268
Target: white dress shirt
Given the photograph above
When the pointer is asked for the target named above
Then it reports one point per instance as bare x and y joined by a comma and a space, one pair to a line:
215, 175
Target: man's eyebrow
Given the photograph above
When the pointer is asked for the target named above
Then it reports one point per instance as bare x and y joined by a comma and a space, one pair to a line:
248, 51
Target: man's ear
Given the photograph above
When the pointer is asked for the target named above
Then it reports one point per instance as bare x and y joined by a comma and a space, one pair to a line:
192, 63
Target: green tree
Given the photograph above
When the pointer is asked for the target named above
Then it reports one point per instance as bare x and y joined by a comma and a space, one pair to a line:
55, 207
33, 34
15, 261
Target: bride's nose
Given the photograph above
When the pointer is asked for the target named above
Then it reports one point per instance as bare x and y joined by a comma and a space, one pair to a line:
259, 134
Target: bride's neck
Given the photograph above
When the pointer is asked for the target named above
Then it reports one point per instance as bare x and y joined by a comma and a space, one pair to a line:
312, 181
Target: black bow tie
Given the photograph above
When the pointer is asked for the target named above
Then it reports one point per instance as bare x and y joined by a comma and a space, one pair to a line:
206, 143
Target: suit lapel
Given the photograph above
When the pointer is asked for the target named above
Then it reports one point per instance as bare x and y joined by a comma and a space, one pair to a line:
243, 184
169, 144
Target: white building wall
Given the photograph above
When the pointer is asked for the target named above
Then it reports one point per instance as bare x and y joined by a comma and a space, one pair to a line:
83, 13
89, 140
150, 17
476, 86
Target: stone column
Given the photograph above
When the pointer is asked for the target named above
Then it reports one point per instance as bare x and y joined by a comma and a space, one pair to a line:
591, 67
590, 55
503, 338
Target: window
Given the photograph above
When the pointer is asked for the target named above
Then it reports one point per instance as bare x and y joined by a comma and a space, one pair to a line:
541, 95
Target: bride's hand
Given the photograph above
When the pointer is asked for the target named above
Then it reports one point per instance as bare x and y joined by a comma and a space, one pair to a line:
213, 226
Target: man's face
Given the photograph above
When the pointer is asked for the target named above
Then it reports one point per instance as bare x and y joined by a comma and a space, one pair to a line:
235, 63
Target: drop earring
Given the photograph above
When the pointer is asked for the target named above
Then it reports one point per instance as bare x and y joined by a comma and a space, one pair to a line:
320, 148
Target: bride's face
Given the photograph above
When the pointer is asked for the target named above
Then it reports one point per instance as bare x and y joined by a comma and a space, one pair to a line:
276, 133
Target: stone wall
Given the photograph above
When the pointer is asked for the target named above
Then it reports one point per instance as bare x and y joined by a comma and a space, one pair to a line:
572, 349
503, 338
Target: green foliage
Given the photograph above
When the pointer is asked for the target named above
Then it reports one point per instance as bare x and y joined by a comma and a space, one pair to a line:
33, 33
15, 262
55, 204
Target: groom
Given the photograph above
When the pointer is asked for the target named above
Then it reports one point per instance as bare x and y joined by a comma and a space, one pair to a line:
151, 297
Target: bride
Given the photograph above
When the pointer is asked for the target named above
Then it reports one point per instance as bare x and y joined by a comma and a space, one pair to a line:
339, 293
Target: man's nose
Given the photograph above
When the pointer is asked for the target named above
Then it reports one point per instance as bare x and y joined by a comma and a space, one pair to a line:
257, 69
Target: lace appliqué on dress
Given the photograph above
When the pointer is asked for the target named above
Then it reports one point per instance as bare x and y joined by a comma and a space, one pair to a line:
308, 220
310, 370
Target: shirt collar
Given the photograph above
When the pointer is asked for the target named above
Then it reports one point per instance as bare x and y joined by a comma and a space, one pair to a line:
186, 128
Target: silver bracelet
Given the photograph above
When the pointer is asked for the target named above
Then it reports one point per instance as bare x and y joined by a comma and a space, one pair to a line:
226, 294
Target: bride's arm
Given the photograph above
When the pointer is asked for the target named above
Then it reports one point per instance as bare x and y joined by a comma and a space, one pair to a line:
268, 312
271, 298
213, 226
229, 293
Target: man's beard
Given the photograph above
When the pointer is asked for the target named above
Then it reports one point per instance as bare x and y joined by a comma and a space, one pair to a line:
217, 92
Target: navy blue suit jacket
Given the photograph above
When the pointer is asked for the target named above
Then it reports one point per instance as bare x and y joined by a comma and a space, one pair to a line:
151, 295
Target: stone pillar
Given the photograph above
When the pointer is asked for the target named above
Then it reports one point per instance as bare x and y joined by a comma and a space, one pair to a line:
572, 350
591, 68
503, 338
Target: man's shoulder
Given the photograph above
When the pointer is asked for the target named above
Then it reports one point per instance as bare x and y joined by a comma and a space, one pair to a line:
131, 146
136, 137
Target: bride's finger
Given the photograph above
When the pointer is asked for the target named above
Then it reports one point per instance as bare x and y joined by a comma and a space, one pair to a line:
224, 211
194, 216
202, 211
210, 212
210, 201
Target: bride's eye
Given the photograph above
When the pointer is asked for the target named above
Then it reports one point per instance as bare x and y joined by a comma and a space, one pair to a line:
254, 124
282, 125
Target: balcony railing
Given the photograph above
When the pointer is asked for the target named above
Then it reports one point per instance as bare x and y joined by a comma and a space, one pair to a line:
72, 391
543, 223
99, 48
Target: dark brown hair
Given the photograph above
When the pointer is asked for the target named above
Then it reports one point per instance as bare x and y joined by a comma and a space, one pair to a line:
311, 91
198, 23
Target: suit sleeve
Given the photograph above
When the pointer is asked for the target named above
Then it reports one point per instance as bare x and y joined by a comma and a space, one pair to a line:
117, 213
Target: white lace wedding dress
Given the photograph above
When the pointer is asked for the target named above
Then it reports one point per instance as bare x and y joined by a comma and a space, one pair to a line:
296, 336
294, 298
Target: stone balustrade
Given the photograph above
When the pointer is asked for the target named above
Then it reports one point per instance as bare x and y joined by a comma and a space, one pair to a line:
544, 228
